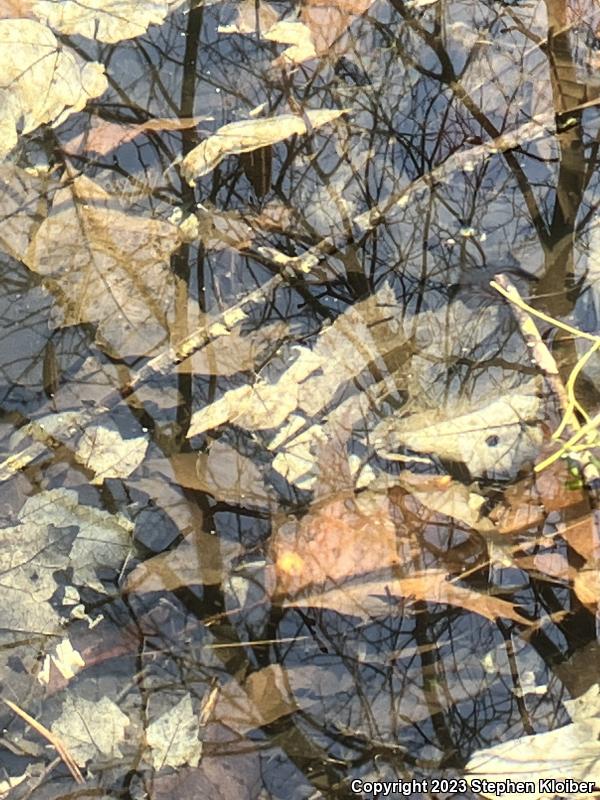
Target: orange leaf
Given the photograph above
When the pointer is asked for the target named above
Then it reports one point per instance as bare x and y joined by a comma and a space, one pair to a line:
336, 540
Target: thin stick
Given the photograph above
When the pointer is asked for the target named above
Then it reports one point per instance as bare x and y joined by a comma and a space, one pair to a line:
54, 740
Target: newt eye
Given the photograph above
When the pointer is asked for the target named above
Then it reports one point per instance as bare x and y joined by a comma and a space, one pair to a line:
290, 563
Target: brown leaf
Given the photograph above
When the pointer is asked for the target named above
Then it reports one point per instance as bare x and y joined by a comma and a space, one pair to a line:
328, 21
197, 560
104, 136
263, 698
583, 536
552, 487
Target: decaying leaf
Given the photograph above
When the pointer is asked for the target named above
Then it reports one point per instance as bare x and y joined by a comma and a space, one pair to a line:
348, 554
105, 20
91, 729
55, 531
46, 83
232, 478
11, 9
329, 20
113, 267
250, 134
251, 16
173, 736
103, 449
339, 538
365, 340
448, 497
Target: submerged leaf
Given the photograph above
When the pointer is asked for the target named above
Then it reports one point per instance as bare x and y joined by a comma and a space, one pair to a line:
378, 596
196, 560
250, 134
104, 136
263, 698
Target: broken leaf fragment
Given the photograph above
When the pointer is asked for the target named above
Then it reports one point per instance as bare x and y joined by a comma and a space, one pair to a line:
45, 84
250, 134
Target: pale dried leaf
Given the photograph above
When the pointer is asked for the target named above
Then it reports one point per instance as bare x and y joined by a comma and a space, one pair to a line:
102, 20
234, 351
571, 752
103, 449
173, 737
450, 498
66, 660
248, 135
46, 83
366, 333
223, 410
498, 437
296, 34
92, 730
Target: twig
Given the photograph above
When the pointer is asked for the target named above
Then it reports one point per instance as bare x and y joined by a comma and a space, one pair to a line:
54, 740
